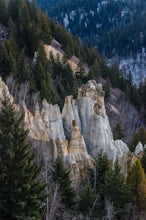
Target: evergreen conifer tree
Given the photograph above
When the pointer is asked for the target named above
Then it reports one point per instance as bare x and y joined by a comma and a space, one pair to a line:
107, 89
3, 12
118, 132
8, 57
136, 179
115, 188
139, 136
61, 175
87, 199
42, 75
143, 160
21, 193
102, 165
111, 185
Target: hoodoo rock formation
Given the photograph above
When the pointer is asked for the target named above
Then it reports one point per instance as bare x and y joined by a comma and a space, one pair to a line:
88, 110
77, 135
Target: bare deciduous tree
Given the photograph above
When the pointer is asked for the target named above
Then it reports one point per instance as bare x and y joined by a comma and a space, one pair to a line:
55, 206
120, 110
109, 210
21, 93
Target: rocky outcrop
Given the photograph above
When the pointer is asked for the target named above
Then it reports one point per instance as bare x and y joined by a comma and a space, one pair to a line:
88, 110
46, 134
139, 149
77, 135
78, 158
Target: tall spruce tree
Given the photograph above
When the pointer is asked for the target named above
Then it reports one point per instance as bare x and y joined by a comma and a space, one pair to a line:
115, 188
102, 165
118, 132
87, 199
61, 175
42, 75
137, 180
139, 136
111, 186
21, 192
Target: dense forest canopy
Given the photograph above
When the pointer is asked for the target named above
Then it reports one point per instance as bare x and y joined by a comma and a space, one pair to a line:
112, 26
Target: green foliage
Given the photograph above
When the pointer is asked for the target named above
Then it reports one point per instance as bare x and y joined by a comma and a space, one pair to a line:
118, 132
29, 30
111, 185
32, 26
139, 136
24, 70
21, 193
87, 199
45, 29
107, 89
135, 96
9, 57
61, 175
62, 76
109, 38
115, 75
102, 166
142, 92
110, 34
143, 160
95, 70
42, 75
115, 188
137, 180
3, 12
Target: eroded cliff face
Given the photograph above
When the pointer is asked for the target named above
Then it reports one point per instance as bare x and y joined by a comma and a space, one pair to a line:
77, 134
49, 141
88, 110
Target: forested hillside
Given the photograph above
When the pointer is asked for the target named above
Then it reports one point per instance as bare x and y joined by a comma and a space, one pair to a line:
27, 31
116, 28
112, 26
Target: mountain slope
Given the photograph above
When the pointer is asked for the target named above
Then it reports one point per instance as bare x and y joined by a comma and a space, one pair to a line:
112, 26
115, 27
